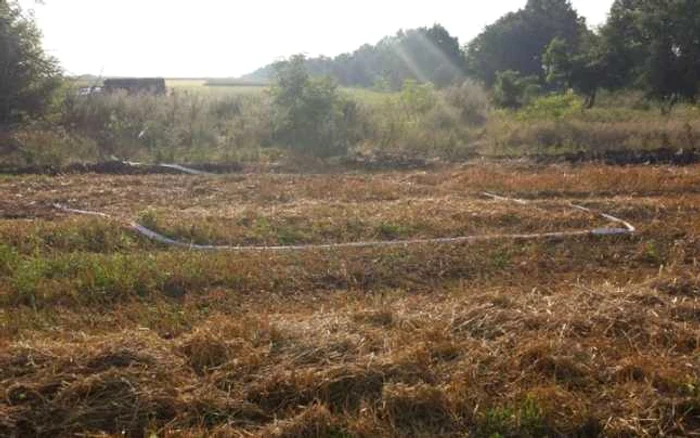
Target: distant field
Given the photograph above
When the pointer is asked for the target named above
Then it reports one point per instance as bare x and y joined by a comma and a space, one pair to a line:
185, 83
105, 333
232, 87
194, 84
218, 86
209, 85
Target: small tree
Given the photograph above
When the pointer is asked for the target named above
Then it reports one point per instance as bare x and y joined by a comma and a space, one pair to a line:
309, 115
28, 77
557, 64
582, 71
513, 91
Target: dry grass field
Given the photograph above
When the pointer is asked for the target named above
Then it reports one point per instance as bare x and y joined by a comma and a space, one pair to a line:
105, 333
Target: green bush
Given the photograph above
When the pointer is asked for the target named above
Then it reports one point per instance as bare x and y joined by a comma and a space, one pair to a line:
418, 98
310, 116
513, 91
553, 106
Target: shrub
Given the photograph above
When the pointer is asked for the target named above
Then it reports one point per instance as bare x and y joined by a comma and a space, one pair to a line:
514, 91
554, 106
471, 100
418, 98
309, 114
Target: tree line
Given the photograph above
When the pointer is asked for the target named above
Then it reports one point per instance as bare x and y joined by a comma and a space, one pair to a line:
650, 45
545, 47
423, 54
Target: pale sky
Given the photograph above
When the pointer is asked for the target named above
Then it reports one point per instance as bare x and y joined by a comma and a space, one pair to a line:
225, 38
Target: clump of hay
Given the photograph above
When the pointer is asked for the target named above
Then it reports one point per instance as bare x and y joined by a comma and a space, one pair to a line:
382, 317
118, 385
416, 408
315, 421
205, 350
340, 388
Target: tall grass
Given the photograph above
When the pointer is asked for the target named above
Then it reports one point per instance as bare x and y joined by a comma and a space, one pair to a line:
421, 121
217, 124
182, 126
192, 126
556, 124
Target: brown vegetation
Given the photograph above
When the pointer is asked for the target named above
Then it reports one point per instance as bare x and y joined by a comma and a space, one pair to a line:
106, 333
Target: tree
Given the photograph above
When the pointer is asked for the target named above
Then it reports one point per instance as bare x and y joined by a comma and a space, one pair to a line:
655, 45
518, 40
309, 115
583, 71
446, 55
622, 45
557, 63
672, 70
28, 77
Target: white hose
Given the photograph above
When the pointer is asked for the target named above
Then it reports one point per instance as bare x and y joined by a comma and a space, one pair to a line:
628, 228
178, 167
153, 235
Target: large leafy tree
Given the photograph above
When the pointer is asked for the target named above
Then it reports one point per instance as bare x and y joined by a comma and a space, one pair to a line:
517, 41
28, 76
622, 44
655, 44
584, 71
